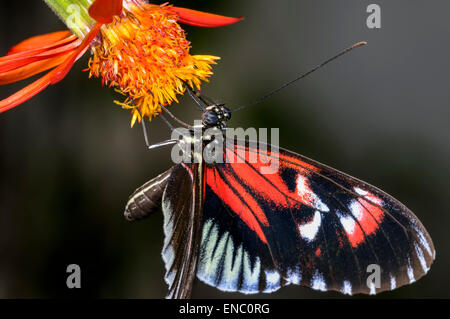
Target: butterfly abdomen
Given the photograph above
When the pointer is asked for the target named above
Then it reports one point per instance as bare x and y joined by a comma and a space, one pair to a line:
146, 199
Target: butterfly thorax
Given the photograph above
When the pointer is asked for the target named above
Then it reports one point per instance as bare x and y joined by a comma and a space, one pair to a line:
216, 115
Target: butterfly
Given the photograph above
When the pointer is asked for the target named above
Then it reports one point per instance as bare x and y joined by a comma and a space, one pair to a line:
237, 229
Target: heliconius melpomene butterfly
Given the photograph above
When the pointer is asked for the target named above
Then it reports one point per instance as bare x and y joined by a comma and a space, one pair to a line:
237, 229
309, 224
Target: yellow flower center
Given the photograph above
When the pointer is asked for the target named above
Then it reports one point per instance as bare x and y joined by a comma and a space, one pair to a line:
145, 55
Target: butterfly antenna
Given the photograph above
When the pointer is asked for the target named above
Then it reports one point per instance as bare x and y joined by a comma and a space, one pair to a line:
196, 98
354, 46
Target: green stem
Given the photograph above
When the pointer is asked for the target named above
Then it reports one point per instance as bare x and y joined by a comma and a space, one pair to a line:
74, 13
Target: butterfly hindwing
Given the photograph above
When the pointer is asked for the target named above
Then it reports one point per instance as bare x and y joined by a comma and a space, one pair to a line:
232, 257
304, 224
182, 208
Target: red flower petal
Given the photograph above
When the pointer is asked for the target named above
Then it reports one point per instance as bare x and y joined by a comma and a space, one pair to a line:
29, 49
52, 77
31, 69
26, 93
42, 41
61, 71
103, 11
20, 59
203, 19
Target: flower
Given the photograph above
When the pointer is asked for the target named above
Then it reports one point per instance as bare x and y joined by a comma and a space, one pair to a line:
138, 48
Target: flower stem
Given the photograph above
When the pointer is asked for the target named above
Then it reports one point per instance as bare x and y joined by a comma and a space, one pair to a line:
74, 13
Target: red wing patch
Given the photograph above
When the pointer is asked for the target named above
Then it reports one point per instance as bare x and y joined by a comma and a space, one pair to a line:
272, 187
238, 200
366, 215
241, 184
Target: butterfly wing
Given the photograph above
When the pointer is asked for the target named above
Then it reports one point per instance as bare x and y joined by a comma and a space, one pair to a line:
307, 224
182, 207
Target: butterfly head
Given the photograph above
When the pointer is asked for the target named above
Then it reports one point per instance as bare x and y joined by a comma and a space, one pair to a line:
216, 115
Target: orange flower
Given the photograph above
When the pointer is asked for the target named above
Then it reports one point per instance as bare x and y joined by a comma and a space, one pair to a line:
138, 48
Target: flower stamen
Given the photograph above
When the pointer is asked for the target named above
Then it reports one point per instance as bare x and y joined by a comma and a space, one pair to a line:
145, 55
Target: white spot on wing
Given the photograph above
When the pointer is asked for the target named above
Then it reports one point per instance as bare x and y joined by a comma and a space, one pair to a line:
360, 191
372, 288
347, 289
218, 257
211, 250
317, 282
393, 283
272, 280
410, 274
306, 193
423, 240
168, 257
167, 252
419, 253
169, 277
319, 205
370, 197
294, 276
251, 277
168, 216
231, 267
309, 230
357, 209
348, 223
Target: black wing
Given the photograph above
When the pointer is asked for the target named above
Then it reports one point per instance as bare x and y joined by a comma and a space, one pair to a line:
182, 208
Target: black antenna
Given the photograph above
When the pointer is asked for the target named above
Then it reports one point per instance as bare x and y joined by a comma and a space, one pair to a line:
354, 46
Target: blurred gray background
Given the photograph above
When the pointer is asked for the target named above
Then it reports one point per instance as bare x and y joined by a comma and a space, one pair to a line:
69, 159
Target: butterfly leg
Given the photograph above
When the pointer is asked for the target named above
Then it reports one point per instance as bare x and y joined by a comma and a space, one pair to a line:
175, 118
157, 145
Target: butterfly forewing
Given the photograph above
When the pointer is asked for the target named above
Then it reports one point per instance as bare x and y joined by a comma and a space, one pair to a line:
305, 224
